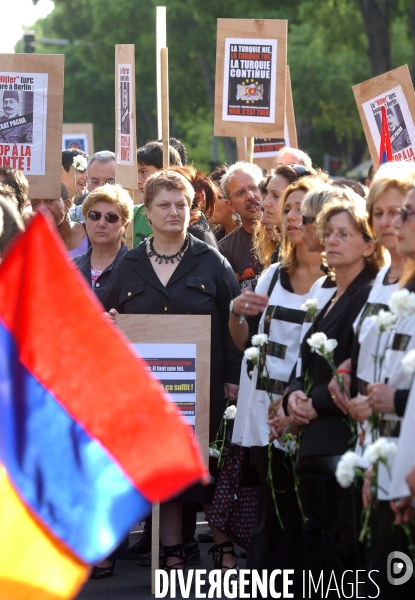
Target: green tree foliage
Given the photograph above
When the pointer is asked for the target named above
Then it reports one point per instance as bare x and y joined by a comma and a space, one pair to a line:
330, 48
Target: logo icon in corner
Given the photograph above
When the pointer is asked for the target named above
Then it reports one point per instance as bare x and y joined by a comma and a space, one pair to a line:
399, 568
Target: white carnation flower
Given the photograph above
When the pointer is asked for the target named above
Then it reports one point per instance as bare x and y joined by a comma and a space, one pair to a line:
230, 412
330, 345
317, 340
408, 363
345, 470
402, 303
259, 339
214, 453
80, 162
381, 449
384, 320
252, 354
310, 303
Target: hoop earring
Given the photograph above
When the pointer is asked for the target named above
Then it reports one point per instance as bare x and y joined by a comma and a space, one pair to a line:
149, 221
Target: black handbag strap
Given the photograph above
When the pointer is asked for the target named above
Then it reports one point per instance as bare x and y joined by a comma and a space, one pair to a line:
273, 281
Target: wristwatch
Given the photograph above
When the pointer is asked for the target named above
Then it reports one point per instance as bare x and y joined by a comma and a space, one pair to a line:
241, 318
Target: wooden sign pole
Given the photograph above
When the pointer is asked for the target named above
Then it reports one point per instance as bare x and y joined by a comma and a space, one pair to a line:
155, 513
250, 149
161, 42
165, 105
155, 537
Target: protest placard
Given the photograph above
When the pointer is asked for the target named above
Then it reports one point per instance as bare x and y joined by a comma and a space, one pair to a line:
125, 122
393, 90
31, 107
182, 339
79, 136
251, 57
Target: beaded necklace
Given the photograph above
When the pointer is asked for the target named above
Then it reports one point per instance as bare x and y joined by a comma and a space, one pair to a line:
160, 257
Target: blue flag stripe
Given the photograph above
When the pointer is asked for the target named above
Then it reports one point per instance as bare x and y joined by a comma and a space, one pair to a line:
66, 477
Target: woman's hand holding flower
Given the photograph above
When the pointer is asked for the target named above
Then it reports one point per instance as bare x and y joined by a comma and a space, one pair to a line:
231, 392
359, 408
297, 408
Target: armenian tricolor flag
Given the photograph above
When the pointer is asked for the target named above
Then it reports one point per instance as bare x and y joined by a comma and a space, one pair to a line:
385, 150
88, 438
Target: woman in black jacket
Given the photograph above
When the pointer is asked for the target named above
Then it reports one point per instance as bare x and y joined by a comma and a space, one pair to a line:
330, 534
174, 273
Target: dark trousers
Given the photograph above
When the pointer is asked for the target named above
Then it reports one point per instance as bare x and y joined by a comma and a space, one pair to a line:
272, 547
331, 531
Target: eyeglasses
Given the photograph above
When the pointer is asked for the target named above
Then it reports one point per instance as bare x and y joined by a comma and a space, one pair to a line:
404, 213
99, 182
342, 236
307, 219
95, 215
254, 189
300, 170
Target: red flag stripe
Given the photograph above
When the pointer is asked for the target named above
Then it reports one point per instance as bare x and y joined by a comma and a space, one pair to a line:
65, 342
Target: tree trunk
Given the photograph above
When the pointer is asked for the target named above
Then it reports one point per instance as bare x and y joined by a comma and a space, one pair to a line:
375, 15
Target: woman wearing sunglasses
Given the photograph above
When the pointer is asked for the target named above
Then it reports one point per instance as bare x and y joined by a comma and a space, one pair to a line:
108, 211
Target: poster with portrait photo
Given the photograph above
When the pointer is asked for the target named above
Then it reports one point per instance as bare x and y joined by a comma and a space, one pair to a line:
393, 90
400, 122
249, 83
23, 115
125, 116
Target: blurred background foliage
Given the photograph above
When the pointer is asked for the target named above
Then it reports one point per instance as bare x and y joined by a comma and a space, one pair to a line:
332, 45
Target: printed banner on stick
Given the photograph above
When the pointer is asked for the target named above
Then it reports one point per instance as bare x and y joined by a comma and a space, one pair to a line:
394, 91
125, 119
251, 76
125, 124
23, 113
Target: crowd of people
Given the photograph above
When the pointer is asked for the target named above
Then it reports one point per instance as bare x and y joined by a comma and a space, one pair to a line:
301, 276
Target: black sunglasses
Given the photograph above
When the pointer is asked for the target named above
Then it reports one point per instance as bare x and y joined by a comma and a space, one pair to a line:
307, 219
95, 215
300, 170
